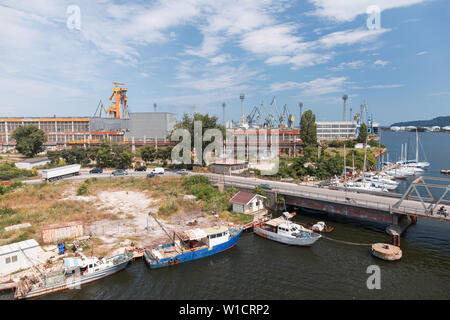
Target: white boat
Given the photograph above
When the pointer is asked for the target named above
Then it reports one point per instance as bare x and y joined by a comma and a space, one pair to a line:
283, 230
71, 274
365, 186
383, 181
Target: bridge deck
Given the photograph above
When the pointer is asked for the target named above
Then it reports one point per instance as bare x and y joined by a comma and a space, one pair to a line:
378, 202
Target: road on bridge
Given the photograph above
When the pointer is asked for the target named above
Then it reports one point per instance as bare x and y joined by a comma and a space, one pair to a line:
379, 202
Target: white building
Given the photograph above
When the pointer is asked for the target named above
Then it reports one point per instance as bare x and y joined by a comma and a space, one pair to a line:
248, 203
17, 256
335, 130
31, 163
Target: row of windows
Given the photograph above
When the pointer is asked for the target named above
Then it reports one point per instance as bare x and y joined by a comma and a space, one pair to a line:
217, 235
11, 259
49, 126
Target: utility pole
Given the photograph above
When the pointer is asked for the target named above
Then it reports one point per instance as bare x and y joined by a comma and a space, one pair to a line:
242, 97
154, 106
223, 115
345, 97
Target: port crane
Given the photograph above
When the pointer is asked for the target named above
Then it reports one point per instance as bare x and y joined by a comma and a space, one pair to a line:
119, 109
254, 116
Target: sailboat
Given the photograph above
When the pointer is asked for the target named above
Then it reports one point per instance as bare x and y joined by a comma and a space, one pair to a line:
416, 163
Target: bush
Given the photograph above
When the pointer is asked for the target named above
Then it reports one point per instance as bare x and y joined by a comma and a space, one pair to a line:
9, 171
83, 189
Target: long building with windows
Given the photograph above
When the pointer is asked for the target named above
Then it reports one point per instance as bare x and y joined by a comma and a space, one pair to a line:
336, 130
66, 131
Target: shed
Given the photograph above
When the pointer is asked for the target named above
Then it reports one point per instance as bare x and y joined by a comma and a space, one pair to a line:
228, 167
19, 255
248, 203
31, 163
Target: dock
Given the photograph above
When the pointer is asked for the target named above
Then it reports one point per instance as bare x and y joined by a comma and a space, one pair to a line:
8, 285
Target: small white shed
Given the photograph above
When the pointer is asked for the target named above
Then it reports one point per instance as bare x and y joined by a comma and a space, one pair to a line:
248, 203
31, 163
19, 255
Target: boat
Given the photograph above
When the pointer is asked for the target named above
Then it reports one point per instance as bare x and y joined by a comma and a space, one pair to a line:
364, 186
443, 171
283, 230
192, 245
386, 251
73, 273
319, 227
383, 181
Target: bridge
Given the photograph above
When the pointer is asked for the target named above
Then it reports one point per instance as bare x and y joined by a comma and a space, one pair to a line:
399, 211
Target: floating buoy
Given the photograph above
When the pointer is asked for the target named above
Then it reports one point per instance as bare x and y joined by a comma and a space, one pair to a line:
386, 251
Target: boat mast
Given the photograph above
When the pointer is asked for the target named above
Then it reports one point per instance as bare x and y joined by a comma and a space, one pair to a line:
417, 147
166, 232
365, 159
345, 169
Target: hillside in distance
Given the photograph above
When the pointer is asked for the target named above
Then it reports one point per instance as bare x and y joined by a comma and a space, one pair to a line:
439, 121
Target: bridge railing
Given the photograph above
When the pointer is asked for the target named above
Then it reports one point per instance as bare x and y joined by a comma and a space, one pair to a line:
336, 199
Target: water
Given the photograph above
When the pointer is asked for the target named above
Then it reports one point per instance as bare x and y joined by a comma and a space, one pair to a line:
262, 269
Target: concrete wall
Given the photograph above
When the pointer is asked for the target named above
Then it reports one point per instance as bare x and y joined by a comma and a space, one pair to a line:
150, 125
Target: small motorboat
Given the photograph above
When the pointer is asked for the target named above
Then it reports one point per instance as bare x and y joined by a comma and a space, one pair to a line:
319, 227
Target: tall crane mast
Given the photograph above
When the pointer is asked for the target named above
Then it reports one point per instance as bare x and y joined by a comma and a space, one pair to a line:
119, 109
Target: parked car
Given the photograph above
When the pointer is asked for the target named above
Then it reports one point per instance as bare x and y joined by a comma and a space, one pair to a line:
151, 175
141, 168
119, 172
182, 171
266, 186
96, 170
158, 170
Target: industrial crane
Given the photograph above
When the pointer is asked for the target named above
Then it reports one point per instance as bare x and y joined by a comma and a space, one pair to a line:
254, 116
120, 102
286, 114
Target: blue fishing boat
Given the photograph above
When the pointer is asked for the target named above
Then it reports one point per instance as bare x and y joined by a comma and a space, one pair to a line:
192, 245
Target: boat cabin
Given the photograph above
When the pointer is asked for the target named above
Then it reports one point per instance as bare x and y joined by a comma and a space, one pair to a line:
81, 266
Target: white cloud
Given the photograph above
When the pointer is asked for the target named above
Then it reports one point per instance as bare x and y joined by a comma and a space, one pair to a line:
316, 87
381, 63
421, 53
349, 9
349, 37
381, 86
348, 65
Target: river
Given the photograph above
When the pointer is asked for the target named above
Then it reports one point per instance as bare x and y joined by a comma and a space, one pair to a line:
262, 269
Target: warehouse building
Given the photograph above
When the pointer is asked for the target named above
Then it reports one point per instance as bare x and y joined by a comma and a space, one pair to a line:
84, 130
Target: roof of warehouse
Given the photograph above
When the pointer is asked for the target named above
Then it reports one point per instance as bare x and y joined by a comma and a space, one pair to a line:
34, 160
18, 245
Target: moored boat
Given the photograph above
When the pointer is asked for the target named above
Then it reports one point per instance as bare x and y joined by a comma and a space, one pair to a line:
319, 227
192, 245
283, 230
73, 273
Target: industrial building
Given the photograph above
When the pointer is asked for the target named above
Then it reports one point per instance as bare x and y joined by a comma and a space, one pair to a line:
336, 130
117, 126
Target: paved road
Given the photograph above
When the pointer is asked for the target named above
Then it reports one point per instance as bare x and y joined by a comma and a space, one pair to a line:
379, 202
84, 175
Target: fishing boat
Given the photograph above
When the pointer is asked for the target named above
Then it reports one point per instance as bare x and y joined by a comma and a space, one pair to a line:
73, 273
192, 245
283, 230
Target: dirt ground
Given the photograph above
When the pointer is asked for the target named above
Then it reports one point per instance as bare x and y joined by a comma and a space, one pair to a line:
131, 218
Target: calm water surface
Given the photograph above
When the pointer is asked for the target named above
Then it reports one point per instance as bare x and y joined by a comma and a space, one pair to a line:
261, 269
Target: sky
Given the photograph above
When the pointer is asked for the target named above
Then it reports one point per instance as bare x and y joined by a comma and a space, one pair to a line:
60, 57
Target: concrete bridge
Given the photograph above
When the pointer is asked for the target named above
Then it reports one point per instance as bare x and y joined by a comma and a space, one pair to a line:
400, 212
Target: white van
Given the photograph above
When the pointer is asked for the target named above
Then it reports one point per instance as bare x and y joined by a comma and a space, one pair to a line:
157, 170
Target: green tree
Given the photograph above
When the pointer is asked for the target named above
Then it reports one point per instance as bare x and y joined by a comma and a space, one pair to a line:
148, 153
362, 136
125, 159
308, 128
30, 140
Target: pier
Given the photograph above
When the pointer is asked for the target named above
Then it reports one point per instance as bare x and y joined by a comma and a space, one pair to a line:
398, 211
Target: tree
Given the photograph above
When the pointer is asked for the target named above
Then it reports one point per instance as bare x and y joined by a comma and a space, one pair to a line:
125, 160
308, 128
362, 136
148, 153
30, 140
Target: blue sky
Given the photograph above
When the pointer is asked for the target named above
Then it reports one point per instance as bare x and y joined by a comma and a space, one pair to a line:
197, 52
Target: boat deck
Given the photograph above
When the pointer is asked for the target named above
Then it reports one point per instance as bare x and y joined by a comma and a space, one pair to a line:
170, 252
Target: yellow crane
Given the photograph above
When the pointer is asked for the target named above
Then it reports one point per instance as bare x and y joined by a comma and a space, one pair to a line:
119, 109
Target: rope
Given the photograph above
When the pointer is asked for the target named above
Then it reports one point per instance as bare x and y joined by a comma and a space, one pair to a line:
347, 242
